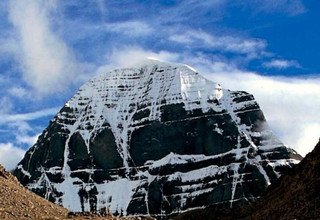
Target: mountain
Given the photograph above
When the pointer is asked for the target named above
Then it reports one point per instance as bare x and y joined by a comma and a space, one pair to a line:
155, 139
16, 202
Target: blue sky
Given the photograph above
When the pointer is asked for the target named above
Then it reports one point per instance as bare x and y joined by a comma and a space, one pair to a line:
267, 47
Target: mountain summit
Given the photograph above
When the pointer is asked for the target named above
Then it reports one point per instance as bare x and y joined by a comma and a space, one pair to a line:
155, 139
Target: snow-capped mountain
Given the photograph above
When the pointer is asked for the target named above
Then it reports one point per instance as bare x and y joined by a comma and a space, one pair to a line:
155, 139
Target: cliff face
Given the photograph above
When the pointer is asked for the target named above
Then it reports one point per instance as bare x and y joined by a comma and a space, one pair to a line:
155, 139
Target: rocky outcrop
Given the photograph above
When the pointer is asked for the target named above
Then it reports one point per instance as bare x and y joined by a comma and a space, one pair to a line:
156, 139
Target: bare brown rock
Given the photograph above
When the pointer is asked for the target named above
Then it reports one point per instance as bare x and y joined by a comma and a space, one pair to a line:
16, 202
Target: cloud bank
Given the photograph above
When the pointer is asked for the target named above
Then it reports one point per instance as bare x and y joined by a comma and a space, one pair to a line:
10, 155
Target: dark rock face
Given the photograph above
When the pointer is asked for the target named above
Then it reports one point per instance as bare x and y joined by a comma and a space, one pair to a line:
156, 139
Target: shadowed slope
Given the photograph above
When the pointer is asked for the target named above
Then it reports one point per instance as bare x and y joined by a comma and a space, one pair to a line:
296, 195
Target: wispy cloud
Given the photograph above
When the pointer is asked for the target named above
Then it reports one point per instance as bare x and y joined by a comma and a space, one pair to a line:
8, 46
46, 60
130, 28
291, 7
6, 105
26, 139
18, 91
7, 118
10, 155
191, 10
19, 133
201, 39
281, 64
287, 7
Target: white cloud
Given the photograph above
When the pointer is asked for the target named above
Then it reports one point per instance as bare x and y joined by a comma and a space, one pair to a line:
8, 46
5, 105
131, 28
290, 7
10, 155
281, 64
19, 127
26, 139
191, 11
225, 43
181, 38
310, 136
101, 6
8, 118
46, 60
19, 92
130, 56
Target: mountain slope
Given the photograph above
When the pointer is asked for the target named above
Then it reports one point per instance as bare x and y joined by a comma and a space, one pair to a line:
296, 195
16, 202
155, 139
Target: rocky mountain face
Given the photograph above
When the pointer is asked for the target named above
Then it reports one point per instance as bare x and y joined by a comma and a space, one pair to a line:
155, 139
